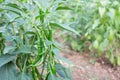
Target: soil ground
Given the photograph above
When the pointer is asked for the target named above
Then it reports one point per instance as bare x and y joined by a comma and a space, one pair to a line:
86, 67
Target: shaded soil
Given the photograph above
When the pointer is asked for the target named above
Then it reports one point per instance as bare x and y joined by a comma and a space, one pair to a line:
86, 67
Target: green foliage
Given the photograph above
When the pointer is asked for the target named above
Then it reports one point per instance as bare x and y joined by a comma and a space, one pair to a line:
105, 29
97, 22
26, 41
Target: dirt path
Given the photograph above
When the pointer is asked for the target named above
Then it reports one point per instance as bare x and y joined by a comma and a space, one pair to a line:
82, 69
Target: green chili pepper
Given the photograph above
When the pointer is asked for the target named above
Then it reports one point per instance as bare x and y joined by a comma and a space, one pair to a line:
50, 35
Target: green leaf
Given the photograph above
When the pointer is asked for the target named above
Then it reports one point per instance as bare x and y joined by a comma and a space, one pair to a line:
96, 23
74, 45
52, 77
63, 8
118, 60
30, 32
5, 59
8, 72
118, 35
63, 72
1, 1
48, 43
8, 49
43, 4
112, 58
104, 2
1, 9
24, 76
108, 55
96, 44
104, 44
101, 11
64, 27
64, 59
23, 0
13, 5
56, 51
18, 40
16, 12
25, 49
111, 13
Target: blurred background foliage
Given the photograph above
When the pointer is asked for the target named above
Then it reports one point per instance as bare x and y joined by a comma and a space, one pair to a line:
97, 22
